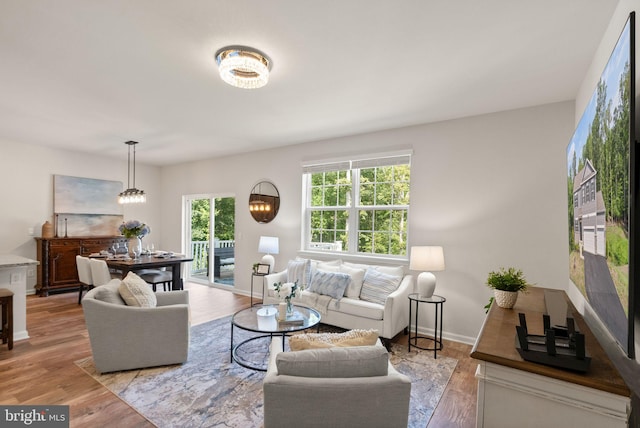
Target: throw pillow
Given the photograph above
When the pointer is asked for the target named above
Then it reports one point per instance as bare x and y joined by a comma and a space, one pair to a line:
358, 361
390, 270
299, 342
299, 271
329, 283
355, 285
330, 266
357, 275
377, 286
136, 292
109, 292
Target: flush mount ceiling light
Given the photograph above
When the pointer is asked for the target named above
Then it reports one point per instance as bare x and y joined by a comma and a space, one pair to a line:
132, 195
243, 67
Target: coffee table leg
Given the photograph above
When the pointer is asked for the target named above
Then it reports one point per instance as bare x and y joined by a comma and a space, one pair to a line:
231, 348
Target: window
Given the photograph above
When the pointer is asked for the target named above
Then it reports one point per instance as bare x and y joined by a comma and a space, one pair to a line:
358, 206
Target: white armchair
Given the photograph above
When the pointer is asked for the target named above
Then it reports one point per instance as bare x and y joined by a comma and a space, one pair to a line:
334, 387
128, 337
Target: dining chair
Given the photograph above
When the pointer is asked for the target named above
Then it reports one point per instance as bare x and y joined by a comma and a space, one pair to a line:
100, 272
84, 275
156, 276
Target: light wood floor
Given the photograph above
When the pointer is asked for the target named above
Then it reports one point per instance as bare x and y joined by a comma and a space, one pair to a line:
41, 370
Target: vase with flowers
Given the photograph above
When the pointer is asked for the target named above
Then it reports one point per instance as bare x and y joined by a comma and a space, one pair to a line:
134, 231
286, 291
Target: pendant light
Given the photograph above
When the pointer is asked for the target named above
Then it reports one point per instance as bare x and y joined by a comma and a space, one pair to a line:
132, 195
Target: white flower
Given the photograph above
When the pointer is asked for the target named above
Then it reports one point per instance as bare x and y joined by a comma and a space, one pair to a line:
287, 290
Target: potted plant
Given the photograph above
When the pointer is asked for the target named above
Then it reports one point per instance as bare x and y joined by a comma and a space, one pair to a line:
505, 284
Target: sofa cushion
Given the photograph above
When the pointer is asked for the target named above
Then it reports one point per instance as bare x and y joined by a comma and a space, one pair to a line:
299, 342
109, 292
136, 292
356, 274
348, 362
358, 308
322, 264
329, 283
377, 286
299, 271
389, 270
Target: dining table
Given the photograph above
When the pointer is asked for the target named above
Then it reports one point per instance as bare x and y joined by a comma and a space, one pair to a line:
126, 265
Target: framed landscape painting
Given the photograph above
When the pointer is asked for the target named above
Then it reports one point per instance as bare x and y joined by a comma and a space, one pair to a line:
79, 195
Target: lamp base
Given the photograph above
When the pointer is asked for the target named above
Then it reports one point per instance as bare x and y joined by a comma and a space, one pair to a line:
268, 259
426, 284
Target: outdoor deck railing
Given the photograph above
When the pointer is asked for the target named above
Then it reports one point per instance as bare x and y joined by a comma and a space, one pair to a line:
200, 254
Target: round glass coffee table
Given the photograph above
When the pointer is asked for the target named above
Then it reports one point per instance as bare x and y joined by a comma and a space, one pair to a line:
264, 319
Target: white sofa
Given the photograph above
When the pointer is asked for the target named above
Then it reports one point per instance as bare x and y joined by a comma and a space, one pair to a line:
352, 312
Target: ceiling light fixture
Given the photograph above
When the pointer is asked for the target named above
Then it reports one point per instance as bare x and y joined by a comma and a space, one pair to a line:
243, 67
132, 195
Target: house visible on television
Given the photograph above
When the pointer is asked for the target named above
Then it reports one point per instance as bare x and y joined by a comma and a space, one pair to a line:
588, 212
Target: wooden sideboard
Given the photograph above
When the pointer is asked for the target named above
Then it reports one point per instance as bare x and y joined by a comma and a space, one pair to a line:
514, 392
57, 270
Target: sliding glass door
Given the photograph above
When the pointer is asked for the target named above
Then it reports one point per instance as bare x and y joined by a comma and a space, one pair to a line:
210, 232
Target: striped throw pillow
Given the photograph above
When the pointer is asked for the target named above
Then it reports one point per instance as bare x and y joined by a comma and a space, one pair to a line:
299, 271
377, 286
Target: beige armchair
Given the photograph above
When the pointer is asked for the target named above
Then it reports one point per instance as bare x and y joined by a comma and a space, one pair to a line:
127, 337
334, 387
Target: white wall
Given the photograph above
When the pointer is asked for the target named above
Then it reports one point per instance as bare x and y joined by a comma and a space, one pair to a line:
26, 194
490, 189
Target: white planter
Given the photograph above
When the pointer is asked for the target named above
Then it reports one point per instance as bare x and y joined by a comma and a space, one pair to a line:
505, 299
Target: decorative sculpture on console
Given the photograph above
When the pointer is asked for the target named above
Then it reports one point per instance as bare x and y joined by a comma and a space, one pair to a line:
561, 347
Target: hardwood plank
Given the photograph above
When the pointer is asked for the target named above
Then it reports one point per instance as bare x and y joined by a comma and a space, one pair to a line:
41, 370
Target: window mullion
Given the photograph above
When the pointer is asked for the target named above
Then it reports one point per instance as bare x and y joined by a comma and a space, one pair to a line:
354, 211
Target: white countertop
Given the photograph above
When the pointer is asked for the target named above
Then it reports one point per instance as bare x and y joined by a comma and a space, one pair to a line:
14, 261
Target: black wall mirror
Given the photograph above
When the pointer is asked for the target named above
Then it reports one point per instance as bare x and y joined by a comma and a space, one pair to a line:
264, 202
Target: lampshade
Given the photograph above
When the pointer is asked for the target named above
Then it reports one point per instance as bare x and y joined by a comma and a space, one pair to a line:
243, 67
132, 195
268, 245
426, 259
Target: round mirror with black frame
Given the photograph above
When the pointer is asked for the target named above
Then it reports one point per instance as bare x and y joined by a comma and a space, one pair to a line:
264, 202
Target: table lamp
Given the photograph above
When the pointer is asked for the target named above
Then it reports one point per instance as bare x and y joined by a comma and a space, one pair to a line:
268, 245
426, 259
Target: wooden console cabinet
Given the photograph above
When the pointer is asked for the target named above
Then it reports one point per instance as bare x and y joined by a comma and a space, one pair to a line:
57, 270
514, 392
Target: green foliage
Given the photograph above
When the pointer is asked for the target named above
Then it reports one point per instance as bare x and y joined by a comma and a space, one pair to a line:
224, 218
510, 279
488, 305
617, 246
382, 223
607, 147
200, 220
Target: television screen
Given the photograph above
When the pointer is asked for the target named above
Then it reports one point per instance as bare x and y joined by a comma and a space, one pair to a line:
600, 167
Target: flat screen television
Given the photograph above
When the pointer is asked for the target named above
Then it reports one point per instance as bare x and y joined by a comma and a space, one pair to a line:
602, 196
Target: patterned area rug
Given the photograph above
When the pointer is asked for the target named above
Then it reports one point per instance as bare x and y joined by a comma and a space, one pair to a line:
210, 391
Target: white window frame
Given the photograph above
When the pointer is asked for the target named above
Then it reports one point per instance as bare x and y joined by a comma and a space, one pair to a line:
354, 164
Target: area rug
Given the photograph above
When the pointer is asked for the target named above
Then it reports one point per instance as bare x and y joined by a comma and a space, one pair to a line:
210, 391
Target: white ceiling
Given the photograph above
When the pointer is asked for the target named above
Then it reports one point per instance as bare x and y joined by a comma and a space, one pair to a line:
90, 75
